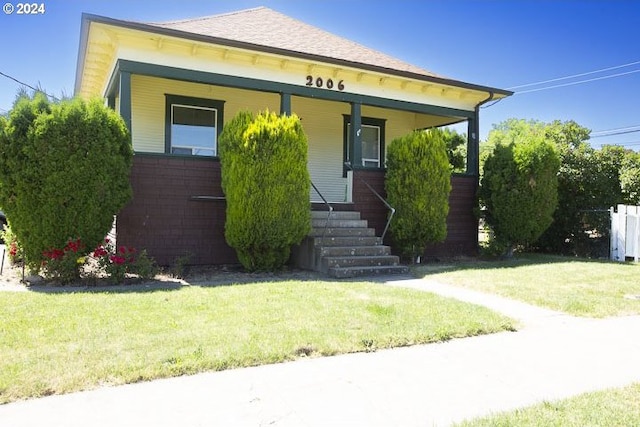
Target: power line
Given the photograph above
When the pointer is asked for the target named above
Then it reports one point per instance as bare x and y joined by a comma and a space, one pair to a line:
576, 75
28, 85
614, 133
616, 129
578, 82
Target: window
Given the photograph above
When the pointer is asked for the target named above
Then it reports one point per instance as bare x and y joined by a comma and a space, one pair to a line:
372, 139
370, 146
192, 126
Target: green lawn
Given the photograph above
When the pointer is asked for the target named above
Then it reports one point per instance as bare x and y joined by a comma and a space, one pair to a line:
615, 407
61, 342
576, 286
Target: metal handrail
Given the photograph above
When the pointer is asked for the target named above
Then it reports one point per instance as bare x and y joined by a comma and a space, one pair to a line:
328, 205
392, 210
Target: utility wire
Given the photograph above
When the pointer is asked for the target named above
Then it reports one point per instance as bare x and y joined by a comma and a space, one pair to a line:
576, 75
616, 129
28, 85
614, 133
571, 83
578, 82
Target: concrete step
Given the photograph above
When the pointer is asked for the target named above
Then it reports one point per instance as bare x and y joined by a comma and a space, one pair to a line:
335, 215
358, 261
342, 232
340, 223
338, 251
346, 241
346, 272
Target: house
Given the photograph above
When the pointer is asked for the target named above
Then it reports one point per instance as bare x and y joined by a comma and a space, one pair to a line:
176, 84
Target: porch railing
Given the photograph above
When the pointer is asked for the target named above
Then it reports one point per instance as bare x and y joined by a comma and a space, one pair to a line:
328, 206
391, 209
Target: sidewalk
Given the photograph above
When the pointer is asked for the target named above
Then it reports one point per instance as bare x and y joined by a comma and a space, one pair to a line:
552, 356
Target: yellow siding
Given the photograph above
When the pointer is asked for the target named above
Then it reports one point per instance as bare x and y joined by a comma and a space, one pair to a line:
322, 122
148, 106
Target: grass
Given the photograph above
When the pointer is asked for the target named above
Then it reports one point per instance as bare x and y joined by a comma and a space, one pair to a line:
62, 342
575, 286
614, 407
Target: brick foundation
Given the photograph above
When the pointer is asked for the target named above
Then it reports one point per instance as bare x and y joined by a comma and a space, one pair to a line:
163, 217
462, 224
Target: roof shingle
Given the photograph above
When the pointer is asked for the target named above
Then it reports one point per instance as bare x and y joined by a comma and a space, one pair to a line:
265, 27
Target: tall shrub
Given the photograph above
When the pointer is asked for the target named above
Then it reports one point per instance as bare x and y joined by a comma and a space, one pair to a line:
266, 184
519, 187
589, 182
418, 183
64, 173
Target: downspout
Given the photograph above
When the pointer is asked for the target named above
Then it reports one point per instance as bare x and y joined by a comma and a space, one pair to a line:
475, 168
476, 162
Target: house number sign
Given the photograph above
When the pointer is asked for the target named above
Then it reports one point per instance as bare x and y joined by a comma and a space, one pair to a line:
320, 82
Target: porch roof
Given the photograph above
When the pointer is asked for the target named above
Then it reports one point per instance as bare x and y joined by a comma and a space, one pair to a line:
264, 30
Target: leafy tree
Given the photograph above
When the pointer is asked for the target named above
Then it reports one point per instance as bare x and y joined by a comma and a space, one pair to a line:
266, 184
575, 185
418, 183
456, 149
519, 184
589, 182
64, 173
630, 178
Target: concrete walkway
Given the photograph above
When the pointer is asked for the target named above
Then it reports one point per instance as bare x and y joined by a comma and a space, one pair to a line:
552, 356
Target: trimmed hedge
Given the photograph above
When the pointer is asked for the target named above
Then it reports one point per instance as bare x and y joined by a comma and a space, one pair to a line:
266, 184
418, 183
64, 173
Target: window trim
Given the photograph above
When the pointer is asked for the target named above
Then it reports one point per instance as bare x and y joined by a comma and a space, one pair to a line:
187, 101
365, 121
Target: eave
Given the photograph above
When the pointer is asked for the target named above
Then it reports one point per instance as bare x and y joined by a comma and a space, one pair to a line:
258, 52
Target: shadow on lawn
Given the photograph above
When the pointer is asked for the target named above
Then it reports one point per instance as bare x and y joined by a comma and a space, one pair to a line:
198, 276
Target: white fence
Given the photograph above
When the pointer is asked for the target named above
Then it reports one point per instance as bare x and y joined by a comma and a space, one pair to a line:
625, 233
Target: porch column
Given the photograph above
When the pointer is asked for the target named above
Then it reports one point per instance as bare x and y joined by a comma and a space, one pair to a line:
285, 103
355, 136
125, 98
473, 145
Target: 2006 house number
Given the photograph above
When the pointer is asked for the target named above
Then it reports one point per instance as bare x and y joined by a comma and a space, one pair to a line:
320, 82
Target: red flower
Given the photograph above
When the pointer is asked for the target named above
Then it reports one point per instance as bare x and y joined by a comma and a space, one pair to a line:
99, 252
118, 260
53, 254
73, 245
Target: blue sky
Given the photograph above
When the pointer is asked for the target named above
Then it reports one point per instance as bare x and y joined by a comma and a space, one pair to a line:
495, 43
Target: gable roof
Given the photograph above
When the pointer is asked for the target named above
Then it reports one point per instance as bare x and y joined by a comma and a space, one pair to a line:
265, 27
264, 30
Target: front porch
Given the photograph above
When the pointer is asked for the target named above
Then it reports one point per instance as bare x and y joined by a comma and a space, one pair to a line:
178, 206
